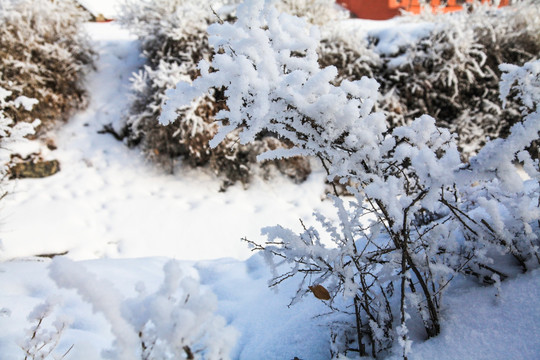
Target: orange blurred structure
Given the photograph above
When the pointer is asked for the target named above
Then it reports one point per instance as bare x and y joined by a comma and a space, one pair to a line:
386, 9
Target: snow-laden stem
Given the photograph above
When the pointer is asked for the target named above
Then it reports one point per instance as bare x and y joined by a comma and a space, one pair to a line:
402, 307
359, 333
400, 242
332, 183
42, 342
433, 328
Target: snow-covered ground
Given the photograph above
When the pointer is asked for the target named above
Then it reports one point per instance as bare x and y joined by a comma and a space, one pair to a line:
122, 219
108, 202
477, 325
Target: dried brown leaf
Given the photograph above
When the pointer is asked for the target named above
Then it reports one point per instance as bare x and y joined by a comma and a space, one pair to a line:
320, 292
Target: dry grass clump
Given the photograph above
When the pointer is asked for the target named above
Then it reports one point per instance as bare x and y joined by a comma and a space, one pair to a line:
44, 55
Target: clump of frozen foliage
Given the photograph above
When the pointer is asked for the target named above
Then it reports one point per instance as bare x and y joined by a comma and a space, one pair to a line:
44, 55
527, 87
417, 216
453, 74
175, 322
41, 341
174, 40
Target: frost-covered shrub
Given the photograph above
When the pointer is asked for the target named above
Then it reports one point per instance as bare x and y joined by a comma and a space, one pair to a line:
44, 55
174, 40
417, 218
175, 322
453, 73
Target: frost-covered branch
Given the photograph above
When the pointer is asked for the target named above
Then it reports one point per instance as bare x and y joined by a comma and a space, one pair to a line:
40, 341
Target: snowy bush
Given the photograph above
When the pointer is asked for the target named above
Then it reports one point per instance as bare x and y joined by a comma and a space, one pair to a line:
453, 73
174, 40
175, 322
417, 216
43, 55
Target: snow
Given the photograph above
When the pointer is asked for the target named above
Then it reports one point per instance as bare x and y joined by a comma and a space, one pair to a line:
481, 325
27, 103
392, 36
121, 220
393, 39
477, 324
278, 332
